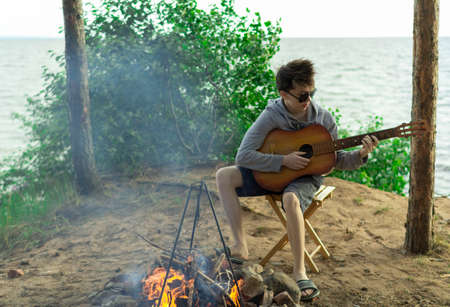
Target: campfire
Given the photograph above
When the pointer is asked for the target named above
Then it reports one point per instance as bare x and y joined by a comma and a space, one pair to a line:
176, 290
190, 277
212, 285
187, 285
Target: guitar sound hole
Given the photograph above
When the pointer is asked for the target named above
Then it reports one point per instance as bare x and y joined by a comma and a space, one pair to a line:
307, 149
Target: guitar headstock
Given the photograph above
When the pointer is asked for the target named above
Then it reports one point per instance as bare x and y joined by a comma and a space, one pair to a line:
416, 128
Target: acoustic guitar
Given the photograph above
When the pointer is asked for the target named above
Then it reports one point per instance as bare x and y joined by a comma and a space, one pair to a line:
320, 148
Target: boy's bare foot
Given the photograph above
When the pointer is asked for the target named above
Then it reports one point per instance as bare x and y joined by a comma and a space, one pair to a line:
239, 251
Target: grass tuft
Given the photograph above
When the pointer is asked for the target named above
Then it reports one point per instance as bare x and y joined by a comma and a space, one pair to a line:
27, 215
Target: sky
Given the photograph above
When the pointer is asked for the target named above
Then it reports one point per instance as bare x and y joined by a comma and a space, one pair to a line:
299, 18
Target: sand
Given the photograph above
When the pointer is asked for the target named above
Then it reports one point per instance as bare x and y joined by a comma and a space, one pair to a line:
363, 229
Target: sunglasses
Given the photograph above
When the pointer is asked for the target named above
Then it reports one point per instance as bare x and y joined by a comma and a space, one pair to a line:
303, 97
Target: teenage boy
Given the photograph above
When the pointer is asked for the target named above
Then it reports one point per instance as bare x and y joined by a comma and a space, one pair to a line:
294, 110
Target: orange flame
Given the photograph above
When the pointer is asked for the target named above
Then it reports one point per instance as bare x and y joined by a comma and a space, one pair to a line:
234, 294
175, 287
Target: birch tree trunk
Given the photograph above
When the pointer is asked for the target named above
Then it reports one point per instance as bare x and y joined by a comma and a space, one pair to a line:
78, 98
419, 225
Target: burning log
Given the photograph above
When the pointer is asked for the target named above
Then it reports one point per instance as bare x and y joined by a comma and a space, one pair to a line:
218, 265
234, 294
191, 271
208, 279
224, 300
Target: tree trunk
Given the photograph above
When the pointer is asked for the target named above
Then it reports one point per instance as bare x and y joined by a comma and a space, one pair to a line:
419, 225
78, 99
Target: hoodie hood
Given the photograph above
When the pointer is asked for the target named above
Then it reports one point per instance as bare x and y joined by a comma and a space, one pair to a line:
284, 117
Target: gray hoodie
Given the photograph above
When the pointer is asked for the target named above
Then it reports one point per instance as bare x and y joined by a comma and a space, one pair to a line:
276, 116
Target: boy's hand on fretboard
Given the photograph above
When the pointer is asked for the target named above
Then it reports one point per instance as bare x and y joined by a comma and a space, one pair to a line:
369, 143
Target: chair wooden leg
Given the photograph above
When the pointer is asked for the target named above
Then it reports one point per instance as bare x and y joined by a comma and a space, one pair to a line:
322, 194
310, 262
282, 243
323, 250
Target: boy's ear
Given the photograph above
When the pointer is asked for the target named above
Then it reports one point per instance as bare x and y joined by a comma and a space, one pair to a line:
283, 94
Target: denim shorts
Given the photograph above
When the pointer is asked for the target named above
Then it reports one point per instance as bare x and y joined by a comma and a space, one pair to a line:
304, 187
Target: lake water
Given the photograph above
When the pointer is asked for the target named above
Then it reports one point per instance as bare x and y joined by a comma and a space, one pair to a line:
360, 76
21, 62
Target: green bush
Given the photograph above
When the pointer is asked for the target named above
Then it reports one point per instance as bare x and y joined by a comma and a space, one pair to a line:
171, 83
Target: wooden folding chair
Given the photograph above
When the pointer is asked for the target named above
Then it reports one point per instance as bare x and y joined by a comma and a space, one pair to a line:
321, 195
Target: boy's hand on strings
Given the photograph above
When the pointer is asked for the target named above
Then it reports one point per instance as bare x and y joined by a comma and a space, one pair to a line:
295, 161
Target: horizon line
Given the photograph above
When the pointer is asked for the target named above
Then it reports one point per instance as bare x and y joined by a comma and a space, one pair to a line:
282, 37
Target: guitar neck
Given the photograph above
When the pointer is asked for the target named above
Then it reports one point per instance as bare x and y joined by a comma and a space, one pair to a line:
353, 141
